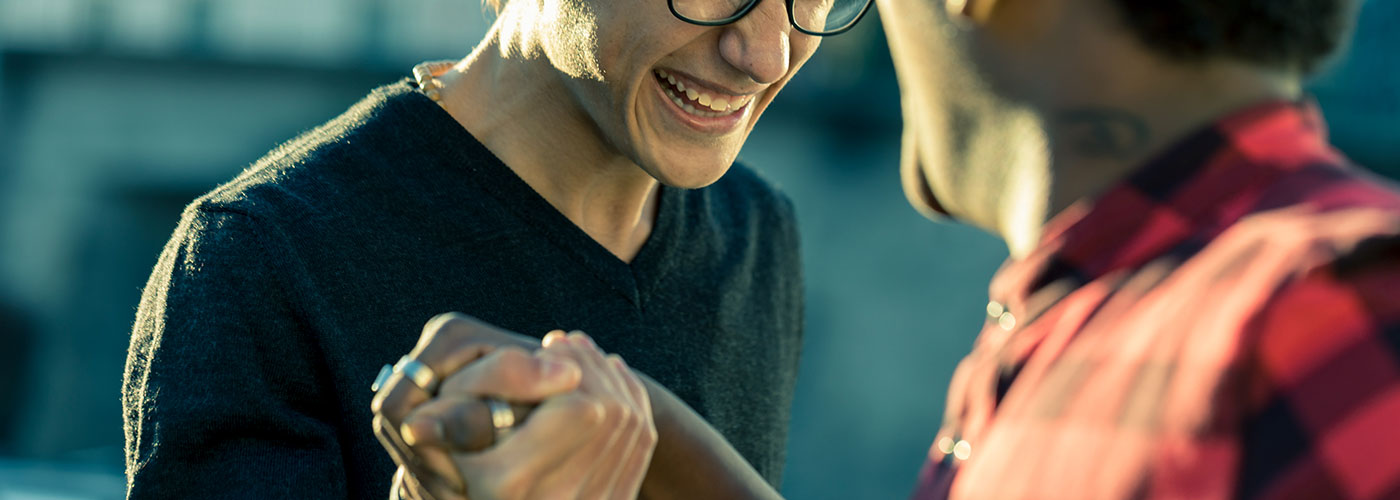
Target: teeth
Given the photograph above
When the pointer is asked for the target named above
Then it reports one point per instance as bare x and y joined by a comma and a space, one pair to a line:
710, 106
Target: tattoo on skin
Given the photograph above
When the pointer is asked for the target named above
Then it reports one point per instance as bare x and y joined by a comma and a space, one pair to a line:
1103, 132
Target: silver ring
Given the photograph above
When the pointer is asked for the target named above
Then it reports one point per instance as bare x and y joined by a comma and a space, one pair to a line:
383, 378
420, 374
502, 418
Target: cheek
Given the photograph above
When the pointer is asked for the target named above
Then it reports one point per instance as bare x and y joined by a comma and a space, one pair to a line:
803, 46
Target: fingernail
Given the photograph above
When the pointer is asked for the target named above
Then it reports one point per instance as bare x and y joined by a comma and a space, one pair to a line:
409, 437
552, 337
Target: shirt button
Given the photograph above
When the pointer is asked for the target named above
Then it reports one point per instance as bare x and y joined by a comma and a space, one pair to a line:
1006, 321
962, 450
995, 309
945, 445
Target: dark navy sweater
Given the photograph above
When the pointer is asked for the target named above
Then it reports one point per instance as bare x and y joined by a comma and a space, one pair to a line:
281, 294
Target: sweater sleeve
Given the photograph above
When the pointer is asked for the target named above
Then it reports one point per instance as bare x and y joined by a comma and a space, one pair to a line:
224, 394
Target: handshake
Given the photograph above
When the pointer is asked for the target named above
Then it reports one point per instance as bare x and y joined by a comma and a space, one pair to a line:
452, 416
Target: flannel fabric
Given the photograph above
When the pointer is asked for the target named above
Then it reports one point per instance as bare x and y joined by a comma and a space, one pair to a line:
1225, 323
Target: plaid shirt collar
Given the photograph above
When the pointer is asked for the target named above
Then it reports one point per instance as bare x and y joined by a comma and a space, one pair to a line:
1180, 198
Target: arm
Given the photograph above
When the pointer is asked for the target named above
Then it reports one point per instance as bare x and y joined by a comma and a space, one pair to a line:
692, 460
222, 395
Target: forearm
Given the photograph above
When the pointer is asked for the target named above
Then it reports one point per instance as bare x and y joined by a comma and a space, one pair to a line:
692, 460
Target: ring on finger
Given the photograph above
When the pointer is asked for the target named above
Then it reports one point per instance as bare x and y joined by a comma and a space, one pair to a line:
383, 378
502, 418
421, 375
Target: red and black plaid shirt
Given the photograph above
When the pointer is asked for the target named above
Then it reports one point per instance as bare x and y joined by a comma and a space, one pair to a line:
1223, 324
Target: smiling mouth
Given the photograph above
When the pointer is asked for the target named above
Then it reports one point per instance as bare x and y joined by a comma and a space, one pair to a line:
696, 100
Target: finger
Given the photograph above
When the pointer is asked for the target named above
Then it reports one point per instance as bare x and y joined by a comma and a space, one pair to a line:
451, 341
606, 467
625, 422
448, 342
431, 466
393, 443
400, 394
461, 329
513, 374
558, 429
637, 442
421, 462
406, 488
425, 488
598, 378
552, 337
634, 384
622, 418
576, 475
397, 491
456, 423
634, 426
634, 470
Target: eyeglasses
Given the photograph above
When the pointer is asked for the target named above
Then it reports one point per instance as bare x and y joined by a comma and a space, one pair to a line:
813, 17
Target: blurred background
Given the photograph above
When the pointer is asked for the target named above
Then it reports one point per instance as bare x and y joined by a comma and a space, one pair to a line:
116, 113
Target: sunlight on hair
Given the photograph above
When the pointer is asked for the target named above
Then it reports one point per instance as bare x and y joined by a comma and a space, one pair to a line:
566, 30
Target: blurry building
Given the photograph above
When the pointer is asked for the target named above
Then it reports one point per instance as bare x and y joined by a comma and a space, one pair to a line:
114, 115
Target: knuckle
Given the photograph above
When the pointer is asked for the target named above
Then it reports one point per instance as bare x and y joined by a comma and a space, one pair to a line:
513, 367
586, 412
649, 433
389, 402
628, 416
449, 325
614, 412
512, 357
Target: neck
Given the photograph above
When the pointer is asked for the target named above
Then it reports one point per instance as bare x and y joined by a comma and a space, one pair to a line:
1100, 137
512, 99
1123, 117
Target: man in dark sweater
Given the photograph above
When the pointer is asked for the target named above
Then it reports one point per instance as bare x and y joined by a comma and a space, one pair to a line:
282, 293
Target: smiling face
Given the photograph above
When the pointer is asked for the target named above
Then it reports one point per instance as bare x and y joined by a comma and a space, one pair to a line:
677, 99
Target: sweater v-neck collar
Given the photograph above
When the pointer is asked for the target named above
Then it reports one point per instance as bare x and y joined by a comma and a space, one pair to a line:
461, 148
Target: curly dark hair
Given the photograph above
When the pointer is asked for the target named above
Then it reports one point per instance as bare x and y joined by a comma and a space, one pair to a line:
1284, 34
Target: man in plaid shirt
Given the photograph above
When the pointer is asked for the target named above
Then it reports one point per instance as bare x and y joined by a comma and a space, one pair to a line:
1203, 299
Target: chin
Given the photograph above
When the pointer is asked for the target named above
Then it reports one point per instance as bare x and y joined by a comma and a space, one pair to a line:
689, 174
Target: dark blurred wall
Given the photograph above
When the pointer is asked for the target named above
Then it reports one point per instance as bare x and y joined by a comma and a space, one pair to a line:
16, 354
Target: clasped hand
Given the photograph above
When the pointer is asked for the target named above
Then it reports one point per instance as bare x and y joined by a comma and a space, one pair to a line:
589, 434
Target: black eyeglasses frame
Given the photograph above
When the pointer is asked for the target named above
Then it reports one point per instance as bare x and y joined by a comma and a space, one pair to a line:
792, 19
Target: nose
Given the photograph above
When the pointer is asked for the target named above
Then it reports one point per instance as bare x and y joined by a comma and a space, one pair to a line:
759, 44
